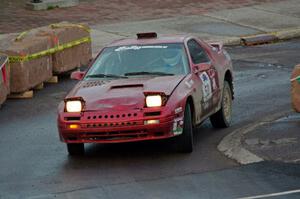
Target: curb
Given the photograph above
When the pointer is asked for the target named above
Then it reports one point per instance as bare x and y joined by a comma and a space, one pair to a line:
287, 34
256, 39
264, 38
48, 5
231, 145
232, 42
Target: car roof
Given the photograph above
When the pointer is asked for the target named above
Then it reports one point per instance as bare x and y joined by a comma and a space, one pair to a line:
160, 39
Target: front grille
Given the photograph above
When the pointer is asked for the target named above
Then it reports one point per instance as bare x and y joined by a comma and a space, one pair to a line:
155, 113
72, 118
109, 116
111, 124
110, 119
114, 135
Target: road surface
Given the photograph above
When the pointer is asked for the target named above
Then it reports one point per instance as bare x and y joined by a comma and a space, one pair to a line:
34, 164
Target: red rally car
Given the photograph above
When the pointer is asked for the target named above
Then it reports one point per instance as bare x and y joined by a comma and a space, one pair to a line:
148, 88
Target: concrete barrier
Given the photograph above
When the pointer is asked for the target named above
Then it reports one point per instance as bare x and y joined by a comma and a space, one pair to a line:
36, 54
26, 71
258, 39
65, 33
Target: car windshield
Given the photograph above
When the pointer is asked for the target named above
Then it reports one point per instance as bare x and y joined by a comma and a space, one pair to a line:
140, 60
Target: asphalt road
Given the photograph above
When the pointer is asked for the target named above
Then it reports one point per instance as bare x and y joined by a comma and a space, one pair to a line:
34, 164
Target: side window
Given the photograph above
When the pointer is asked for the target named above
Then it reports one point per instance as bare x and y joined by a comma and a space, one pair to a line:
198, 54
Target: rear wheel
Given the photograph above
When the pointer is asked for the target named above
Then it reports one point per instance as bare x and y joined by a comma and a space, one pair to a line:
184, 142
222, 118
75, 149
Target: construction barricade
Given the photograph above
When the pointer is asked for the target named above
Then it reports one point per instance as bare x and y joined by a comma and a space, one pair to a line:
28, 68
36, 54
75, 42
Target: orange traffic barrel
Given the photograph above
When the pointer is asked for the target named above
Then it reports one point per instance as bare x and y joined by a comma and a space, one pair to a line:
295, 88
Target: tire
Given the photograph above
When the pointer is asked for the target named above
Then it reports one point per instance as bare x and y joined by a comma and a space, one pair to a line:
75, 149
222, 118
184, 142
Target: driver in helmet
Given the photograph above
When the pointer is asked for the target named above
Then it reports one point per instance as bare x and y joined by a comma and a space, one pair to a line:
172, 59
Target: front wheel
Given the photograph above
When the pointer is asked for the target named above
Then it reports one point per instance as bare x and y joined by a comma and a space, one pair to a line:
75, 149
184, 142
222, 118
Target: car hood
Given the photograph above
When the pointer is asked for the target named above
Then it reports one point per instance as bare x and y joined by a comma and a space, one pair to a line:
122, 94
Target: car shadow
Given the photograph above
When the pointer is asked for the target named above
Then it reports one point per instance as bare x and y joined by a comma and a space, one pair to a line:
145, 149
147, 160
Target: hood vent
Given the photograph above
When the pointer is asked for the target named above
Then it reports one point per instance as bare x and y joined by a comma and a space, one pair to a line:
127, 86
93, 83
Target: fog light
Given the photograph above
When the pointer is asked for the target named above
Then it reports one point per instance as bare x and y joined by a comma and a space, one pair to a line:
74, 126
146, 122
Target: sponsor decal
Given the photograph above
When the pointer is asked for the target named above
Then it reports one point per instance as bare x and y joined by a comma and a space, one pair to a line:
206, 86
178, 131
122, 48
214, 84
178, 126
178, 110
189, 83
213, 77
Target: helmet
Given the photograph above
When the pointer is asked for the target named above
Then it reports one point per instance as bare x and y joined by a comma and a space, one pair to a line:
171, 56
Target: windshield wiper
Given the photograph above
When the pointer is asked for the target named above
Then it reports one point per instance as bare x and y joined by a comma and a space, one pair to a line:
148, 73
100, 75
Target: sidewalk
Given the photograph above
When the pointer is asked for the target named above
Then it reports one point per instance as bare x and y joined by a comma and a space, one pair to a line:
275, 138
225, 20
226, 25
15, 18
278, 140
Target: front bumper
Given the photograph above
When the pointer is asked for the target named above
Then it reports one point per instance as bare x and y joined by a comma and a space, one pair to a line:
99, 127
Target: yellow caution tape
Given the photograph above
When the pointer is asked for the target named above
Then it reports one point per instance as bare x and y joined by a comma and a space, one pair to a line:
58, 25
61, 25
14, 59
21, 36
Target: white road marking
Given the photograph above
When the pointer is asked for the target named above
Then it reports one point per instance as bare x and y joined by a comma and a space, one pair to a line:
272, 194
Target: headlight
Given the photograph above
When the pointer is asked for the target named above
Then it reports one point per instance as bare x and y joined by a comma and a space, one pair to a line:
74, 106
153, 101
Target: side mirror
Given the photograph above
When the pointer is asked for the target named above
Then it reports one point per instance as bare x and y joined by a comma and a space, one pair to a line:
217, 46
77, 75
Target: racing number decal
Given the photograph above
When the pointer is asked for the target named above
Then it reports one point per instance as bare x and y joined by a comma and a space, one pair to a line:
209, 85
206, 86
